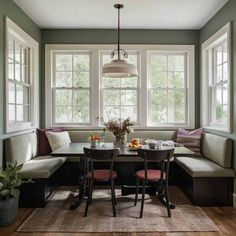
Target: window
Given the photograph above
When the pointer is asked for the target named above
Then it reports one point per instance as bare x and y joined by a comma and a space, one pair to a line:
22, 76
167, 89
71, 88
161, 96
120, 95
217, 83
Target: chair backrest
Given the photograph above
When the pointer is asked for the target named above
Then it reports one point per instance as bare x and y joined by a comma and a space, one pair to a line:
101, 154
157, 155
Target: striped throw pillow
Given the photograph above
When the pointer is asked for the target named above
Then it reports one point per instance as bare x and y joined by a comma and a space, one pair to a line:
190, 139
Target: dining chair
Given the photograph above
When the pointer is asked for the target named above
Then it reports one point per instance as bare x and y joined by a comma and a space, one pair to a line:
160, 176
100, 175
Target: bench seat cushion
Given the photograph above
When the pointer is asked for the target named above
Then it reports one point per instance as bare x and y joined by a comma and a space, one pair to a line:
41, 167
202, 167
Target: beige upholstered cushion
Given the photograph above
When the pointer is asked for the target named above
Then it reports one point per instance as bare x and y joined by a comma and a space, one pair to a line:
21, 148
217, 149
202, 167
57, 140
82, 136
41, 167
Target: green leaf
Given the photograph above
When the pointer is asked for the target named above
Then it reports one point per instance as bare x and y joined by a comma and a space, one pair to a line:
15, 193
4, 192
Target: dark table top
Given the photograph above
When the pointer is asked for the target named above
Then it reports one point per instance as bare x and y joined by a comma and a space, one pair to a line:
76, 149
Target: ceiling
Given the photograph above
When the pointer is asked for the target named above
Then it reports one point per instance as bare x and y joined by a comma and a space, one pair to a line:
137, 14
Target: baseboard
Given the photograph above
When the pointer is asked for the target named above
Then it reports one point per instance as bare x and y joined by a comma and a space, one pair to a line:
234, 199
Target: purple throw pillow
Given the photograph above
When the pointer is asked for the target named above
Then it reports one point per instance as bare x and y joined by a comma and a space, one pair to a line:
190, 139
43, 144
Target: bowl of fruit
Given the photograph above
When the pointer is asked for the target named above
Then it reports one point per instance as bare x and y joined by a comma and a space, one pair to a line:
134, 144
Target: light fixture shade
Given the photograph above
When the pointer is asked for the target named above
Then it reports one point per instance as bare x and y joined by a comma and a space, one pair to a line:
119, 69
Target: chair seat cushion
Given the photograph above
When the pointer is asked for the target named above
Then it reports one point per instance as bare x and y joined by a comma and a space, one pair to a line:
101, 175
41, 167
202, 167
152, 175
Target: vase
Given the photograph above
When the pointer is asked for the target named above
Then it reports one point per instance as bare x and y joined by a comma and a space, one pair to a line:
93, 143
120, 140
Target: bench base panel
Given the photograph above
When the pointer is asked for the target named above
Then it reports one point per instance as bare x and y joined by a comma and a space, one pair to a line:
206, 191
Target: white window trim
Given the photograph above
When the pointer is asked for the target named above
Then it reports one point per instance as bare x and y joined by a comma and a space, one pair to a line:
95, 78
14, 30
223, 33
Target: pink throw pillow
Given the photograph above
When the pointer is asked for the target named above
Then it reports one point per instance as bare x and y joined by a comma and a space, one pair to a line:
190, 139
43, 144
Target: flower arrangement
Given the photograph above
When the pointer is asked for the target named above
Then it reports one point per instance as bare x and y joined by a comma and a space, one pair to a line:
119, 127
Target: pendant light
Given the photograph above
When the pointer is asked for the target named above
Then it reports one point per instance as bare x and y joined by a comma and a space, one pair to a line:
119, 68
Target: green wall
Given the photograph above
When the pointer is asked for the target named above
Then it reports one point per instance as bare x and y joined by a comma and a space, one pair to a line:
10, 9
226, 14
109, 36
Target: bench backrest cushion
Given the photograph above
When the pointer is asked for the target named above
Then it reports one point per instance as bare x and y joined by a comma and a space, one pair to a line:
21, 148
217, 149
82, 136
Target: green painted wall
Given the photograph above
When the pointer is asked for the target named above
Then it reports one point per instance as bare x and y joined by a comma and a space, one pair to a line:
10, 9
226, 14
109, 36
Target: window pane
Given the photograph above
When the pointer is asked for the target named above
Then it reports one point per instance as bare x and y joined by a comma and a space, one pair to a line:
171, 79
63, 114
158, 63
24, 56
159, 97
63, 62
81, 98
63, 79
11, 49
225, 71
17, 52
128, 97
219, 73
10, 69
179, 80
219, 55
158, 114
111, 82
19, 94
111, 97
81, 79
225, 52
11, 93
11, 111
81, 114
129, 111
17, 71
225, 94
63, 97
159, 80
19, 113
179, 63
26, 113
24, 74
111, 112
225, 114
129, 82
81, 62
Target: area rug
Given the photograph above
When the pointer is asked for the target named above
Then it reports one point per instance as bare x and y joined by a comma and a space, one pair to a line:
56, 216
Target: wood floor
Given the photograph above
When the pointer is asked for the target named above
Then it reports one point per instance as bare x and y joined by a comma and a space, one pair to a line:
223, 217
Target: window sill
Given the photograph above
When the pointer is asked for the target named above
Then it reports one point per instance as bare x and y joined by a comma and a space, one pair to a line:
225, 130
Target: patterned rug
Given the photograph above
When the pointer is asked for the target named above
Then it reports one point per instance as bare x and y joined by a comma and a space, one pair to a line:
56, 216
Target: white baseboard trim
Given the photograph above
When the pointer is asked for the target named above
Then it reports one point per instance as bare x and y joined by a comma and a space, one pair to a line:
234, 200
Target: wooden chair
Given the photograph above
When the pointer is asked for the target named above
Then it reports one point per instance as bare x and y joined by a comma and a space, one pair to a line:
103, 175
153, 175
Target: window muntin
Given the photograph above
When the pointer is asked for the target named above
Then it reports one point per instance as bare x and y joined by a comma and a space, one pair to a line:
167, 90
71, 88
18, 82
120, 96
218, 86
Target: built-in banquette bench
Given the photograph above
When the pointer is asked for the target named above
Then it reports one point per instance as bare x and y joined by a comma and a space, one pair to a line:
43, 170
207, 180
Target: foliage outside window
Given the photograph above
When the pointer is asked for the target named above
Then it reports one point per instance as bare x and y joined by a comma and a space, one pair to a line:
167, 89
71, 87
162, 95
120, 95
21, 79
216, 106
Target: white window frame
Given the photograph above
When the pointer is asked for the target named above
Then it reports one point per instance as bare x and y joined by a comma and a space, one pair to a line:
96, 51
207, 74
14, 31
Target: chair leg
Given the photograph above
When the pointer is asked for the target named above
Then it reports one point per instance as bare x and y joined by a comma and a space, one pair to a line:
89, 197
167, 199
114, 191
136, 194
113, 198
143, 196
